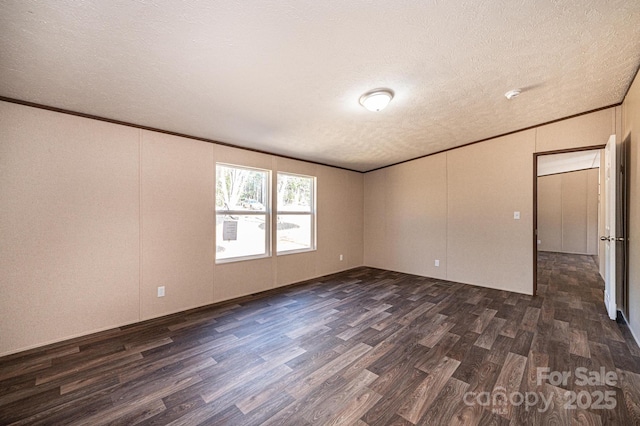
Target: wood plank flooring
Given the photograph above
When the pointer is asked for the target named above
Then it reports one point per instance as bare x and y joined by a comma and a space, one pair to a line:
363, 347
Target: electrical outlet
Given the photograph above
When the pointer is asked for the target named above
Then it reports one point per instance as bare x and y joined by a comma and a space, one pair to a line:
161, 291
437, 262
516, 215
341, 258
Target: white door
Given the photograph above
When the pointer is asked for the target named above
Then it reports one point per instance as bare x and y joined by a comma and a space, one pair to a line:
610, 227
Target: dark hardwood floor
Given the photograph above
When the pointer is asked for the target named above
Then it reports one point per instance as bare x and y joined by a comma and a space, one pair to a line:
363, 347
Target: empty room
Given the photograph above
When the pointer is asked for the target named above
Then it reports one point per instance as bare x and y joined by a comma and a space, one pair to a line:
314, 213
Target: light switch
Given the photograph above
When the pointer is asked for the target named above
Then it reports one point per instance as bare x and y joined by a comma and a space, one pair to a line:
516, 215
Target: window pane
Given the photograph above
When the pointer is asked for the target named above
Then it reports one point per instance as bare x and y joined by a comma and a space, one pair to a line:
241, 189
294, 232
249, 235
294, 193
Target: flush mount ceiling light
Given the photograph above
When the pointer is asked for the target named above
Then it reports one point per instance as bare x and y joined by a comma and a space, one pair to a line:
512, 94
376, 100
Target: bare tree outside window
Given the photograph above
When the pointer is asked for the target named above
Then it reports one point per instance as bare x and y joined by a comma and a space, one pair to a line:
242, 212
296, 213
237, 187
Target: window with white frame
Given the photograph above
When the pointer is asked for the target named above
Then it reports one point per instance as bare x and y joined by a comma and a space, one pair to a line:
296, 219
243, 224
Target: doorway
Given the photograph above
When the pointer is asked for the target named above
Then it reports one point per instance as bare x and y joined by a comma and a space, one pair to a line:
566, 223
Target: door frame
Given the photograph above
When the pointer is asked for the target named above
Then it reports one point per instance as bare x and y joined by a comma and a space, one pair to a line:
622, 225
535, 201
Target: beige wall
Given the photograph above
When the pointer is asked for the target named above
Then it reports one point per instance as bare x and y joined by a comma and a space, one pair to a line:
484, 184
95, 216
406, 217
568, 212
631, 125
585, 130
176, 221
550, 213
69, 227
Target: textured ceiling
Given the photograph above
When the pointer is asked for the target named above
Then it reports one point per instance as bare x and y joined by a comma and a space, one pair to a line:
285, 76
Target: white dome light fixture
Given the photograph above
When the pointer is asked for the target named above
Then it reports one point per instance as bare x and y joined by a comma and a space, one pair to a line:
512, 94
376, 100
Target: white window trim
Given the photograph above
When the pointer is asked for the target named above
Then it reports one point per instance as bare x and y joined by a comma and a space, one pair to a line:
311, 213
267, 213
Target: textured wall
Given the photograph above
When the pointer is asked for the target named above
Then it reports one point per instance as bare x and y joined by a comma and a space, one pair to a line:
484, 184
585, 130
95, 216
340, 224
177, 204
550, 213
69, 226
406, 217
487, 183
568, 212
